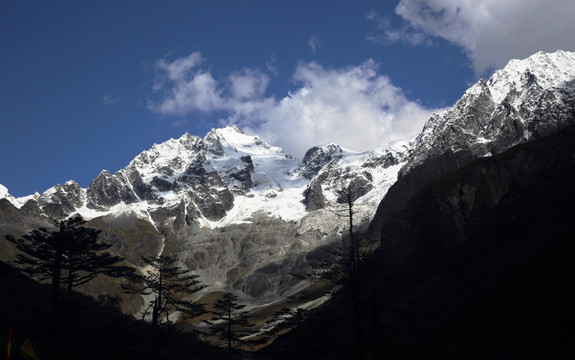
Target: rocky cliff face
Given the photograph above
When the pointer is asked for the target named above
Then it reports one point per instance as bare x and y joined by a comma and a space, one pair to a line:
452, 208
486, 247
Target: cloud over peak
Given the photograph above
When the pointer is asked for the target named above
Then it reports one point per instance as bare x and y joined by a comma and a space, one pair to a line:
354, 106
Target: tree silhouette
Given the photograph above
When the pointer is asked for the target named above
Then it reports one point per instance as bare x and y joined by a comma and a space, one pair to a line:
69, 256
42, 253
346, 267
168, 284
229, 323
86, 257
349, 195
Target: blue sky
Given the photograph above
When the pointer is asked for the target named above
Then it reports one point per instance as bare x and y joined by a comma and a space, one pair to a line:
88, 85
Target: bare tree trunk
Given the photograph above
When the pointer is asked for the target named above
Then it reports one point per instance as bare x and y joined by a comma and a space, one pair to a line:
230, 329
70, 278
154, 330
56, 277
354, 259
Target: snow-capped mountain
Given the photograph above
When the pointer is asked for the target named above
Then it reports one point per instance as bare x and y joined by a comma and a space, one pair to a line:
246, 216
526, 100
224, 178
232, 205
4, 194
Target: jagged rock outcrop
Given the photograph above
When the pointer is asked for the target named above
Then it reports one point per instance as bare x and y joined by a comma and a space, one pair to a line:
61, 200
313, 196
318, 157
107, 190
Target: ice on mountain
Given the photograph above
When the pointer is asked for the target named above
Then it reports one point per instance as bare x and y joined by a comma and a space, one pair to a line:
549, 70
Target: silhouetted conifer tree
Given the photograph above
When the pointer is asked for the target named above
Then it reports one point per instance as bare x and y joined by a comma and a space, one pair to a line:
229, 323
349, 195
168, 284
69, 256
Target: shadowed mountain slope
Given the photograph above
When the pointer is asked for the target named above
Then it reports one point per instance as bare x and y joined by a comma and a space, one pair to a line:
479, 265
89, 329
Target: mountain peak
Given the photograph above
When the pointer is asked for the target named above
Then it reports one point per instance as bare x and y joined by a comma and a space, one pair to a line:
186, 137
549, 70
4, 192
317, 157
228, 130
235, 128
232, 140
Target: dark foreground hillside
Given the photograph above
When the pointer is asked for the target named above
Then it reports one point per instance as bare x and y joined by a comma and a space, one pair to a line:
89, 329
480, 265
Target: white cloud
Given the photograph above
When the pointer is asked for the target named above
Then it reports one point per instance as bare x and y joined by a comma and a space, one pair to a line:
386, 34
248, 84
179, 68
313, 43
491, 32
185, 87
109, 100
355, 106
199, 92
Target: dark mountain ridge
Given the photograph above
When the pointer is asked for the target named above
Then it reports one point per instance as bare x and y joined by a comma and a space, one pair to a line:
478, 265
